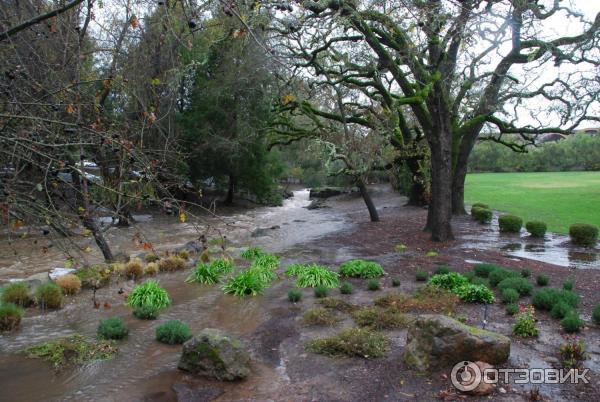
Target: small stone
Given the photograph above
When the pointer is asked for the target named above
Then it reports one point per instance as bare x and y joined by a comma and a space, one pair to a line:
502, 390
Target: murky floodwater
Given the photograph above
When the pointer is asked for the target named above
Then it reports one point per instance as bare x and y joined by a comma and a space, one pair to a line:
140, 357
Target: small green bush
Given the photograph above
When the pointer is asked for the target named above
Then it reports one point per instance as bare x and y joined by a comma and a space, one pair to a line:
484, 270
10, 316
450, 281
146, 312
317, 275
512, 309
545, 299
396, 282
321, 291
442, 270
542, 280
479, 205
596, 314
525, 272
373, 284
536, 228
173, 332
112, 328
346, 288
421, 276
568, 284
474, 293
209, 273
482, 215
572, 323
583, 234
560, 310
149, 294
500, 274
361, 269
17, 293
49, 295
510, 223
521, 285
510, 296
294, 296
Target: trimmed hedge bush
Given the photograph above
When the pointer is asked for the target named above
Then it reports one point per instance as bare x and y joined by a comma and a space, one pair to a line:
173, 332
482, 215
583, 234
542, 280
112, 328
510, 223
521, 285
479, 205
510, 295
568, 284
484, 270
536, 228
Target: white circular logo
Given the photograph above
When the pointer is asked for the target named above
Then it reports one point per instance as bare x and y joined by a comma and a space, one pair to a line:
466, 376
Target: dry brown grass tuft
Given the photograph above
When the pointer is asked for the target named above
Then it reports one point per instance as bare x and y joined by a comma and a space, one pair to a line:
427, 299
70, 284
320, 316
379, 318
151, 269
134, 268
171, 263
337, 304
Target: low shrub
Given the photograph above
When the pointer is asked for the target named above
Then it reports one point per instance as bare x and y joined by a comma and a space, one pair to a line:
346, 288
74, 349
134, 268
510, 223
484, 270
373, 284
152, 268
361, 269
536, 228
10, 316
525, 272
209, 273
450, 281
525, 323
596, 314
427, 299
560, 310
521, 285
482, 215
249, 282
421, 276
49, 295
171, 263
361, 342
510, 296
112, 328
572, 353
337, 304
70, 284
545, 299
96, 276
442, 270
317, 275
149, 294
396, 282
321, 291
571, 322
320, 316
294, 296
252, 252
17, 293
151, 257
512, 309
542, 280
480, 281
146, 312
500, 274
568, 284
583, 234
475, 293
173, 332
377, 318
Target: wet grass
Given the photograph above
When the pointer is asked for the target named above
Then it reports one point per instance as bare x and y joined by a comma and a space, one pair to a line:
557, 198
351, 342
379, 318
427, 299
74, 349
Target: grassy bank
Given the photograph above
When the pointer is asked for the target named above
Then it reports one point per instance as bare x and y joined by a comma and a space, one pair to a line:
558, 198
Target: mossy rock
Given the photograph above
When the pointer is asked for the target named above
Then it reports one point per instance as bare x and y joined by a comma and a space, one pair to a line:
213, 353
436, 342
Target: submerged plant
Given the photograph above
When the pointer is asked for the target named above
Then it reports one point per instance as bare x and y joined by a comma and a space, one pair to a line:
49, 295
252, 252
17, 293
317, 275
361, 269
149, 294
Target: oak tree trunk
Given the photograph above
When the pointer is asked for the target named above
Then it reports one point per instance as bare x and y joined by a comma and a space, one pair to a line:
364, 192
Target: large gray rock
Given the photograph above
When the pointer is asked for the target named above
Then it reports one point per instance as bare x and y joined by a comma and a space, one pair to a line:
437, 342
213, 353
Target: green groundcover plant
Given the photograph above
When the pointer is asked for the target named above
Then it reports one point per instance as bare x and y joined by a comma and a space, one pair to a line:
149, 294
361, 269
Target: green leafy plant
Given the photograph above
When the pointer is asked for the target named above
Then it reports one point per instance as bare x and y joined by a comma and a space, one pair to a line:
396, 282
525, 323
321, 291
252, 252
442, 270
49, 295
583, 234
361, 342
500, 274
246, 283
510, 223
525, 272
210, 273
112, 328
266, 262
316, 275
521, 285
479, 205
400, 248
512, 309
484, 270
149, 294
450, 281
10, 316
361, 269
431, 253
536, 228
294, 296
346, 288
373, 284
421, 276
596, 314
482, 215
568, 284
173, 332
542, 280
571, 322
17, 293
474, 293
560, 310
572, 353
146, 312
510, 296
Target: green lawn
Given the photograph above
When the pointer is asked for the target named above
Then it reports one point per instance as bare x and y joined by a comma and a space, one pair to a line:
557, 198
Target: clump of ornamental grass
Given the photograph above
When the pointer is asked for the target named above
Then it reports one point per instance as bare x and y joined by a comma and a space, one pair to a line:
317, 275
151, 257
266, 262
373, 285
378, 318
151, 269
294, 296
249, 282
112, 328
351, 342
361, 269
146, 312
421, 276
173, 332
252, 252
512, 309
70, 284
571, 322
184, 254
321, 291
396, 282
510, 296
171, 263
17, 293
49, 295
542, 280
134, 268
10, 316
320, 316
346, 288
521, 285
209, 273
337, 304
150, 293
